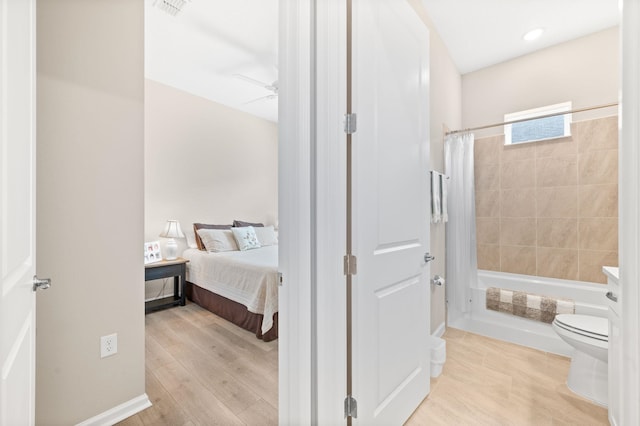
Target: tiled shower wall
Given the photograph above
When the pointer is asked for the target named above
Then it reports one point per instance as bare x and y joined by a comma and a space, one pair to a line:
550, 208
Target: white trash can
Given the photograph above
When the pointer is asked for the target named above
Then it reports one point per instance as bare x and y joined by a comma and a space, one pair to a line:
438, 349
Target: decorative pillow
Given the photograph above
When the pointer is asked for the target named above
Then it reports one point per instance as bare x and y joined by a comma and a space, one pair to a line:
266, 236
217, 240
246, 238
241, 224
197, 226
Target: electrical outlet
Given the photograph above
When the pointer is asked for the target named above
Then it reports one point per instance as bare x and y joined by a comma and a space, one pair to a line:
108, 345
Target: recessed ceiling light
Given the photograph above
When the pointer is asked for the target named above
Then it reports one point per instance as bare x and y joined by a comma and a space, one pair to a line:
533, 34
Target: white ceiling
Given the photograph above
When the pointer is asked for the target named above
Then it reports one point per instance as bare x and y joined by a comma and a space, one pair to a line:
201, 48
480, 33
209, 41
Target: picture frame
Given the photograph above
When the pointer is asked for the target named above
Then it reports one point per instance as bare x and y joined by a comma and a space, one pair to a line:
152, 252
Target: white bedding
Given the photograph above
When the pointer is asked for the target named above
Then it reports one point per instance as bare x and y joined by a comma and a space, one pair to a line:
247, 277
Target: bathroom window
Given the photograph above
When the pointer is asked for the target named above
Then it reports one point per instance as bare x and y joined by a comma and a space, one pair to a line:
538, 129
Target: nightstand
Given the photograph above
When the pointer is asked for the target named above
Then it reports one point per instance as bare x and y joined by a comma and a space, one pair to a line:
177, 269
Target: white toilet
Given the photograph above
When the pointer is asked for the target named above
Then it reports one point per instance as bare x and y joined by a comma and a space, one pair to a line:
589, 336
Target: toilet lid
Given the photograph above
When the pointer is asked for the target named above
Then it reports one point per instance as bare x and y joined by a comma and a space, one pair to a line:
586, 325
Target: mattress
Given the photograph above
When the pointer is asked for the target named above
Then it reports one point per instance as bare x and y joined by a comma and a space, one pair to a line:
246, 277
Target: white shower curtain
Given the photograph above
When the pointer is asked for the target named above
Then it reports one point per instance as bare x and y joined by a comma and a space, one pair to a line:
462, 263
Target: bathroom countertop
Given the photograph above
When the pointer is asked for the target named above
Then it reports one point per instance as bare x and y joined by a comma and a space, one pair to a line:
612, 273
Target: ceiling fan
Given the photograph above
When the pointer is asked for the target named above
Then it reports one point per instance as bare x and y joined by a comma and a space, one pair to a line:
273, 88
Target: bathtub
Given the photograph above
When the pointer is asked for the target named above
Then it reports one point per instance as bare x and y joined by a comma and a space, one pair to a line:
589, 299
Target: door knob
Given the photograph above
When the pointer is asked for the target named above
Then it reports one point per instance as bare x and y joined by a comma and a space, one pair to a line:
41, 283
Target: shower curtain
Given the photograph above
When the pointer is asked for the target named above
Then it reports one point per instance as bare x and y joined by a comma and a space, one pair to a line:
462, 264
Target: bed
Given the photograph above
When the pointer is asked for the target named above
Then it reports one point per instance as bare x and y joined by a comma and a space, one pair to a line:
239, 286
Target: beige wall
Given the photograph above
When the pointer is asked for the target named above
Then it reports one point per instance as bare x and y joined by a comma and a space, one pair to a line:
550, 208
445, 111
89, 206
584, 71
205, 162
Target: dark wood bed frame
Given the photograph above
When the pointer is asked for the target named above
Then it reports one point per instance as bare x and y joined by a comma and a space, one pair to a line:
231, 311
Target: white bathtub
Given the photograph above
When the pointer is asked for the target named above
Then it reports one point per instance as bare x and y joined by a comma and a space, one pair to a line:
589, 298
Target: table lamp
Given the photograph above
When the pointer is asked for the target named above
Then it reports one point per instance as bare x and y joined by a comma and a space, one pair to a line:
172, 230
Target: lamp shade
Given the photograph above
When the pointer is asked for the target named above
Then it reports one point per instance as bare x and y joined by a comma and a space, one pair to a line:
172, 230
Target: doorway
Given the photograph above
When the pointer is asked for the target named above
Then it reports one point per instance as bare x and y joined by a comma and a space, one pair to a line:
211, 146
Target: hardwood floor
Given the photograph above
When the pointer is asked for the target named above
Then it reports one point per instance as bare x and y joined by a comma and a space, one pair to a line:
490, 382
202, 370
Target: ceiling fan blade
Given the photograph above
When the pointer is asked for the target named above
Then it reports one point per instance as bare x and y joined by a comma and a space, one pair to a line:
253, 81
268, 97
273, 87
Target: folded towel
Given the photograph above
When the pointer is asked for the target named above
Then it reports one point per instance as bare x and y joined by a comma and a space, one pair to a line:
527, 305
438, 198
436, 201
443, 197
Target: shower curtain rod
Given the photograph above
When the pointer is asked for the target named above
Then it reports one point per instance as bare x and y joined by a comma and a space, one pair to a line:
453, 132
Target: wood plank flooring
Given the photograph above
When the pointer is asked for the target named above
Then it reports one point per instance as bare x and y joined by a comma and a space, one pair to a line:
490, 382
203, 370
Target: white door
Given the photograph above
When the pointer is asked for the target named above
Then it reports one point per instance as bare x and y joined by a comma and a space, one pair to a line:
17, 212
391, 217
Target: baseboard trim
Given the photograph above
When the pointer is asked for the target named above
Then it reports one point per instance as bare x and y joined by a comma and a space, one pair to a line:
119, 413
439, 331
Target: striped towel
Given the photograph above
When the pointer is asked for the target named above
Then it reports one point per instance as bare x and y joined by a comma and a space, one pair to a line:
527, 305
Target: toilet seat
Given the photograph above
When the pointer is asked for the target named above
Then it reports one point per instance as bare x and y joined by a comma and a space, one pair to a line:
584, 325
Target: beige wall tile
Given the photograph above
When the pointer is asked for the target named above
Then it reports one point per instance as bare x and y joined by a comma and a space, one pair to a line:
593, 135
487, 150
487, 230
518, 174
557, 171
518, 231
598, 201
549, 208
518, 260
524, 151
518, 202
489, 257
596, 167
487, 177
557, 263
559, 201
487, 203
598, 234
591, 263
559, 233
556, 147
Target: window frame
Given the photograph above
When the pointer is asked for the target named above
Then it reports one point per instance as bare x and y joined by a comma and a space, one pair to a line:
539, 112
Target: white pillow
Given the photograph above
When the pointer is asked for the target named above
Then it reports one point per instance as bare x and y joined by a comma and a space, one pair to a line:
246, 238
217, 240
191, 238
266, 235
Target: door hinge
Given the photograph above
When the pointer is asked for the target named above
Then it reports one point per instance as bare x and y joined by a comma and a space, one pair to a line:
350, 123
350, 264
350, 407
280, 279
